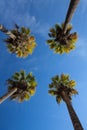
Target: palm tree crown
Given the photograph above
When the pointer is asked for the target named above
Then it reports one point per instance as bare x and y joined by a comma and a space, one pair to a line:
23, 44
25, 84
62, 42
60, 84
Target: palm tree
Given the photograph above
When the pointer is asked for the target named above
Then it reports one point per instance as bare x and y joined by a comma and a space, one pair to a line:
20, 87
70, 12
62, 42
19, 41
63, 88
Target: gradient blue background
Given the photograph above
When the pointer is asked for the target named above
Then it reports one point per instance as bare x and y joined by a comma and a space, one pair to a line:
42, 112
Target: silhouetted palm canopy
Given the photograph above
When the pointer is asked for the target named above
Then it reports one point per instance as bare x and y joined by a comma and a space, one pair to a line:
62, 42
25, 84
62, 83
22, 43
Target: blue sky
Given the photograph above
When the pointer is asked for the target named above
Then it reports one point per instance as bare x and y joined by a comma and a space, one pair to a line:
42, 111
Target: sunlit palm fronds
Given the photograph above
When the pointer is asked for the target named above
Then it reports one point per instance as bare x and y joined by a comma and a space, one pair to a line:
62, 42
25, 84
23, 44
60, 84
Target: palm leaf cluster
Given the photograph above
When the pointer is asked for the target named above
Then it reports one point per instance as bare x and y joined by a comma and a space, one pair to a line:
23, 44
62, 83
62, 42
25, 84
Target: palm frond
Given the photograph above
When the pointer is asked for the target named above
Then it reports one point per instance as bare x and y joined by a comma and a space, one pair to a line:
52, 92
23, 44
58, 99
62, 83
62, 42
25, 84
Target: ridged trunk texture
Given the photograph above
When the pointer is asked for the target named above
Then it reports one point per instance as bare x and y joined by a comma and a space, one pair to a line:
3, 29
70, 12
75, 120
7, 95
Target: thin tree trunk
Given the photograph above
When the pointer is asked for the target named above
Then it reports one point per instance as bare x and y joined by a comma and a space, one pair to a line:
70, 12
75, 120
7, 95
3, 29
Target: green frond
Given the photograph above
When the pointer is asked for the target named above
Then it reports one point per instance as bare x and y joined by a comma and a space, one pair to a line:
32, 91
29, 75
22, 73
13, 31
58, 27
34, 83
71, 83
11, 48
52, 46
72, 47
58, 50
67, 50
74, 37
52, 30
57, 77
52, 92
30, 48
49, 41
27, 96
73, 92
53, 79
25, 84
58, 99
31, 39
51, 85
69, 27
27, 31
64, 77
16, 76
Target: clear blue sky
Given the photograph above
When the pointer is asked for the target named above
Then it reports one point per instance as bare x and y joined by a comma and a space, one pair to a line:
42, 112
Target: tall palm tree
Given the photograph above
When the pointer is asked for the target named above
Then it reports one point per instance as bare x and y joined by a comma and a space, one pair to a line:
63, 88
61, 40
19, 40
70, 12
20, 87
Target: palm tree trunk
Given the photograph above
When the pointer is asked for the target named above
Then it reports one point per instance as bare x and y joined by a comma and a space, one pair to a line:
71, 10
7, 95
9, 33
75, 120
